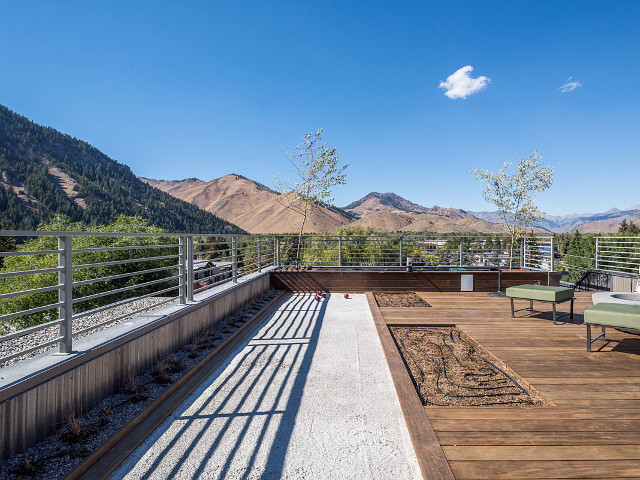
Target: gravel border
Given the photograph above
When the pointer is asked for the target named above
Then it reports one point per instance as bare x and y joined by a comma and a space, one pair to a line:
30, 340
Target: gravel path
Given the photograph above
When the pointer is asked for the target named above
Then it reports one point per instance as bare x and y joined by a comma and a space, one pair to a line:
308, 396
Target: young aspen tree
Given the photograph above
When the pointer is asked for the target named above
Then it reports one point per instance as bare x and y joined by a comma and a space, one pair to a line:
513, 194
316, 166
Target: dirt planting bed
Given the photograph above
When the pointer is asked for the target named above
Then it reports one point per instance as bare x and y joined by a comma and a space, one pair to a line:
449, 368
400, 300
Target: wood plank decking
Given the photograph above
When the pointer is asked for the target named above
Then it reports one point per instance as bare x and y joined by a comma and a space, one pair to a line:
594, 429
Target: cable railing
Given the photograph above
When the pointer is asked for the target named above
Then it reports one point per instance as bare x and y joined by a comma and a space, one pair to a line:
392, 251
618, 253
59, 286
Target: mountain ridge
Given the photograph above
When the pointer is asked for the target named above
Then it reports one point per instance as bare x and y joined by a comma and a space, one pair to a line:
603, 222
251, 205
44, 172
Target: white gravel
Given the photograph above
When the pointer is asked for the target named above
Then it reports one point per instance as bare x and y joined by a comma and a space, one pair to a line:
308, 396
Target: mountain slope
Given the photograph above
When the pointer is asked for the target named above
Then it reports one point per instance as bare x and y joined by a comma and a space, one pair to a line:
44, 172
250, 205
384, 201
424, 222
391, 213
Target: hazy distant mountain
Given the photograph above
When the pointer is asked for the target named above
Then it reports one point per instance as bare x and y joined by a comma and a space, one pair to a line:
250, 205
44, 172
606, 222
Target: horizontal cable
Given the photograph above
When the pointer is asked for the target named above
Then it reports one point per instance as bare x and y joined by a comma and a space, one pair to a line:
123, 275
30, 292
9, 316
123, 262
27, 331
24, 253
115, 249
31, 272
124, 315
124, 289
122, 302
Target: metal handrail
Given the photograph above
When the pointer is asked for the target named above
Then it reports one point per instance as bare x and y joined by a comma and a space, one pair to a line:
97, 282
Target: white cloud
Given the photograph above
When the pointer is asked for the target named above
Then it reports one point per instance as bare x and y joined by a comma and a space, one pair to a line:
570, 85
460, 84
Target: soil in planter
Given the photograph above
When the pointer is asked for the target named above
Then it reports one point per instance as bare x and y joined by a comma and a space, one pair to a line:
400, 300
449, 368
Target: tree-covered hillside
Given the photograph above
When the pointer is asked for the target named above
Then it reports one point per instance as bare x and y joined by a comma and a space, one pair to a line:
44, 172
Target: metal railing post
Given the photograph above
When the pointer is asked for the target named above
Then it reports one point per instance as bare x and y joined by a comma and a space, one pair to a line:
182, 270
461, 254
400, 257
65, 294
278, 251
597, 252
552, 263
190, 268
522, 253
234, 247
340, 251
259, 253
276, 263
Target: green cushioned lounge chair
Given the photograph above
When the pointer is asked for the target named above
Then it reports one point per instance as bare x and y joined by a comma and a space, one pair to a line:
616, 315
541, 293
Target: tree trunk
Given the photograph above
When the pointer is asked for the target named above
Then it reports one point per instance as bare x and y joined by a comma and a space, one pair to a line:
513, 245
304, 219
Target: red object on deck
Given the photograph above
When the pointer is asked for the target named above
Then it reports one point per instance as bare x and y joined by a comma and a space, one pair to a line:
346, 295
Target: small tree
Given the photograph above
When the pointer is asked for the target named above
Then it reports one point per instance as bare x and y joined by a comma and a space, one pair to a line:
7, 244
628, 228
316, 166
513, 194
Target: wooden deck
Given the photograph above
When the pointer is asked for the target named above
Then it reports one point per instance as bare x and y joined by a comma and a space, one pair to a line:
594, 429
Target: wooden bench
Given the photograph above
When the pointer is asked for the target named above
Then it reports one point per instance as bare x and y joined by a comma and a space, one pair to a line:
541, 293
615, 315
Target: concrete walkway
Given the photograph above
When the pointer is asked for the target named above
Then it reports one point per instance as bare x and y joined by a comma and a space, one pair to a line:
309, 396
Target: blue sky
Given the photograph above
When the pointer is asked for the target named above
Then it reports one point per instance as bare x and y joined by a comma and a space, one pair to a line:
203, 89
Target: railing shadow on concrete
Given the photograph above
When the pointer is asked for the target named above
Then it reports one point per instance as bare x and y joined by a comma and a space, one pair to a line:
257, 394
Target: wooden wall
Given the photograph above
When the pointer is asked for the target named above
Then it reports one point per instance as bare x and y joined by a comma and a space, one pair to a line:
33, 408
398, 281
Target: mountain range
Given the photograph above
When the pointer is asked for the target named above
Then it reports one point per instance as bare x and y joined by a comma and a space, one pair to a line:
606, 222
44, 172
258, 209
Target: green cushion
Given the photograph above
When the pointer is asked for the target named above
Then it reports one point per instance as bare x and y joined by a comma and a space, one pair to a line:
613, 315
540, 292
